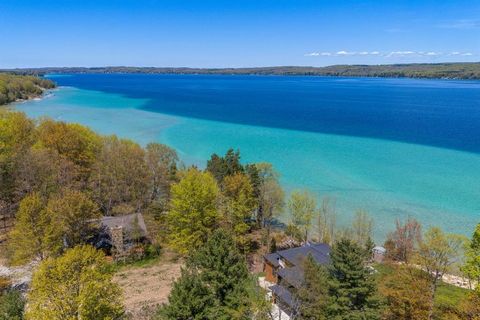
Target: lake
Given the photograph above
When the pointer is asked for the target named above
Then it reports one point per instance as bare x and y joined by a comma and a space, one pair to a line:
392, 147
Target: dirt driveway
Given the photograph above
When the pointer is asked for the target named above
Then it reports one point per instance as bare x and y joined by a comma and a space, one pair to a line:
146, 287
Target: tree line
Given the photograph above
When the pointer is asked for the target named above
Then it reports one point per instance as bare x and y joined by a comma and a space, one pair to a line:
456, 70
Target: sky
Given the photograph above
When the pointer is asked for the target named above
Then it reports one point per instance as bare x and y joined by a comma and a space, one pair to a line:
236, 33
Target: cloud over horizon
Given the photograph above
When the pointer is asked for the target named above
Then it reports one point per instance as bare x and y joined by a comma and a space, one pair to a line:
404, 53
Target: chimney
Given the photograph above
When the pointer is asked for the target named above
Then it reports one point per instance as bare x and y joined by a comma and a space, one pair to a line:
116, 233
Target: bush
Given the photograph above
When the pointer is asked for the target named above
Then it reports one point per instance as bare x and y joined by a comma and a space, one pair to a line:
12, 304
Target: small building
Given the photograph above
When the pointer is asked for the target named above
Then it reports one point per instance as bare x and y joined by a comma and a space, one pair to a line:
120, 235
284, 269
378, 253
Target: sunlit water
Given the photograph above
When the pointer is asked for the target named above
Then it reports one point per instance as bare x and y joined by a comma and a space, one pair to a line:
423, 160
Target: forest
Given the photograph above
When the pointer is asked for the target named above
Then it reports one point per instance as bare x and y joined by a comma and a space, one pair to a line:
14, 87
459, 70
57, 180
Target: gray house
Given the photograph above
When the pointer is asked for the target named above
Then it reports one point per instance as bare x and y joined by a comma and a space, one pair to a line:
284, 269
121, 234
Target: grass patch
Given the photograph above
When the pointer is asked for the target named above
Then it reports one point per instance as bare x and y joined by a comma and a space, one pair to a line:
142, 263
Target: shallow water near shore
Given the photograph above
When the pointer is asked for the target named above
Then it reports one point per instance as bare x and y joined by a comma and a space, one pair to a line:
388, 173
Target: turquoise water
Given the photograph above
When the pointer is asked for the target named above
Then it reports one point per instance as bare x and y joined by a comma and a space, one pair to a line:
388, 178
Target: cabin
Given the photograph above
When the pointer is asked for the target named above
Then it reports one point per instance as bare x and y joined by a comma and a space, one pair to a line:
121, 236
284, 270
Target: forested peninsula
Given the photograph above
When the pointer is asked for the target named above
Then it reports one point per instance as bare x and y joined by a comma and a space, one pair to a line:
413, 70
15, 87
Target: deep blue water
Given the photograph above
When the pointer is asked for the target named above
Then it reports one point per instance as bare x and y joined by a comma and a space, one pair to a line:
442, 113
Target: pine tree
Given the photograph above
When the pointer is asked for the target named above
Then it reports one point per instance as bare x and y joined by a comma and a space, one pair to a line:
312, 297
213, 285
352, 287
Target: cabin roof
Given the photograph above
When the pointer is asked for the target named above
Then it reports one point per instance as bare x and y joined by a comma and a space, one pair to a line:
295, 256
126, 222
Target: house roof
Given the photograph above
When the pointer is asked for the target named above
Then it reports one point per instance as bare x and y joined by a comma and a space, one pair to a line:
283, 294
379, 249
127, 222
294, 275
319, 251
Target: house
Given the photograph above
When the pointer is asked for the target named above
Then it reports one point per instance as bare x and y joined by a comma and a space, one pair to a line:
120, 235
284, 270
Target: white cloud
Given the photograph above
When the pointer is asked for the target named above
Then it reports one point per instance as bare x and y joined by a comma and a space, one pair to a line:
394, 54
400, 53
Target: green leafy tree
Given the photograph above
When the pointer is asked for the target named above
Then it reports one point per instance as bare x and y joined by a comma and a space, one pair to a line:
75, 142
407, 293
326, 221
238, 206
471, 269
76, 285
16, 137
213, 284
352, 288
12, 304
76, 215
438, 252
362, 227
303, 207
44, 171
162, 163
120, 177
35, 234
270, 198
193, 210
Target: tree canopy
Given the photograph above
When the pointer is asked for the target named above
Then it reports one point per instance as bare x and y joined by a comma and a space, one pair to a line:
76, 285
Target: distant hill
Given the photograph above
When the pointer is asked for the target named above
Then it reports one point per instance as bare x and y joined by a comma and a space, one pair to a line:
416, 70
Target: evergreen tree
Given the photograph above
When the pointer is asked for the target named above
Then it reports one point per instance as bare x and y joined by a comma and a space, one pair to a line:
213, 285
12, 304
352, 287
221, 167
312, 297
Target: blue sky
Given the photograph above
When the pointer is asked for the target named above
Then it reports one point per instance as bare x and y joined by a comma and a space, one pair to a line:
236, 33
